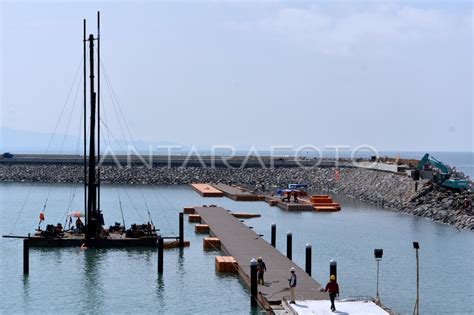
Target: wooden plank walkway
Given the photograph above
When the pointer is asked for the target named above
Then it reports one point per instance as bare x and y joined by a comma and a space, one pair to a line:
243, 244
237, 193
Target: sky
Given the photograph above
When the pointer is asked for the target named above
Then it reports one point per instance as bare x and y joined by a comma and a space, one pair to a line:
392, 75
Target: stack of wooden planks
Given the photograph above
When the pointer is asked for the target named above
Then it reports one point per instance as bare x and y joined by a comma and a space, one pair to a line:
324, 203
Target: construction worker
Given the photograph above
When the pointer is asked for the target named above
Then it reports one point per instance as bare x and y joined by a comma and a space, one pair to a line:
295, 196
333, 289
79, 225
292, 284
261, 268
466, 203
148, 227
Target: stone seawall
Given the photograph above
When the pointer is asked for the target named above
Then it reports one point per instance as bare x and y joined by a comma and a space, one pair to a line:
386, 189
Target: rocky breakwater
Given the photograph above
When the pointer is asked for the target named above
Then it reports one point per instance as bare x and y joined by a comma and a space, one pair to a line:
390, 190
442, 205
397, 192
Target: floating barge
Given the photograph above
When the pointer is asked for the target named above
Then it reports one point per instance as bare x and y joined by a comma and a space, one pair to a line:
318, 203
288, 206
91, 233
78, 240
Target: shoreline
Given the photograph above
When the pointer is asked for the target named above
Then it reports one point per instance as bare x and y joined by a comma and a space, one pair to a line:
394, 191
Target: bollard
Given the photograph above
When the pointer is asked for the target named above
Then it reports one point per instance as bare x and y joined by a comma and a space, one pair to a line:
274, 229
26, 256
308, 258
416, 310
253, 282
181, 229
289, 245
333, 268
160, 255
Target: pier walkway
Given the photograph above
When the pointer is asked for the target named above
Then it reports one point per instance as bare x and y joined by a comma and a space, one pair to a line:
237, 193
206, 190
239, 241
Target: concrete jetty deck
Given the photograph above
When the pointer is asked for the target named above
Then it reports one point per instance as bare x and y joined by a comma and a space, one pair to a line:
243, 244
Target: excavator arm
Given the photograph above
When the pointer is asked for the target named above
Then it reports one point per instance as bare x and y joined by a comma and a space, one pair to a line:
429, 159
422, 162
444, 178
443, 168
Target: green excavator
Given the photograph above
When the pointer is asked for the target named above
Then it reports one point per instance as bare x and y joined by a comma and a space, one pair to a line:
443, 176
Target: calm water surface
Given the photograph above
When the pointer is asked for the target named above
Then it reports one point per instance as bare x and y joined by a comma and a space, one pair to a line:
125, 281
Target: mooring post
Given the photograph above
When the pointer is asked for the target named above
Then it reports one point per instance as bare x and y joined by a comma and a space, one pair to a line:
181, 229
308, 258
160, 255
333, 268
274, 229
26, 256
253, 282
416, 310
289, 245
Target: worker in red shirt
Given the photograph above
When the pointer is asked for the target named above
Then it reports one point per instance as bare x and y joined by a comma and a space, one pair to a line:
333, 289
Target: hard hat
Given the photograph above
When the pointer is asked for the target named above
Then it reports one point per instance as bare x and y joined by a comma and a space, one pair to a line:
292, 269
259, 258
332, 277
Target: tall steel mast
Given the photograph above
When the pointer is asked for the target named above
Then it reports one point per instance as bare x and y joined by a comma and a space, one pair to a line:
85, 119
94, 219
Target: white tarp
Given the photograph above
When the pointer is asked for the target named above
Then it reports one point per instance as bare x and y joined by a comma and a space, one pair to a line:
342, 308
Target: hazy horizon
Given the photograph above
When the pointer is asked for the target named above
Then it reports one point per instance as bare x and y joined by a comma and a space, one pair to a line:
396, 76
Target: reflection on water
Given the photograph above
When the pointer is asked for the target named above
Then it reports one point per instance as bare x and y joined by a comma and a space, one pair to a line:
91, 279
71, 280
160, 287
26, 291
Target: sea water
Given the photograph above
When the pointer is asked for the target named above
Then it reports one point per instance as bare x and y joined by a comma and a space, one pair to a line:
71, 280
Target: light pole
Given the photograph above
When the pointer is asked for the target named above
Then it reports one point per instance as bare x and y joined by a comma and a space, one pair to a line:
416, 309
378, 253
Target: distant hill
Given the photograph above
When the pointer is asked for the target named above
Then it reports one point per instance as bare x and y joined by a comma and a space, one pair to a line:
21, 141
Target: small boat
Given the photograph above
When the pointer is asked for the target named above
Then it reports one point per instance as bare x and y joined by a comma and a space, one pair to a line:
92, 233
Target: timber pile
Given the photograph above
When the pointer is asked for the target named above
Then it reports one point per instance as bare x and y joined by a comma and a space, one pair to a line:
324, 203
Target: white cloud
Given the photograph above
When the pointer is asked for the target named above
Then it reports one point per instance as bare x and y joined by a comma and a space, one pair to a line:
344, 30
